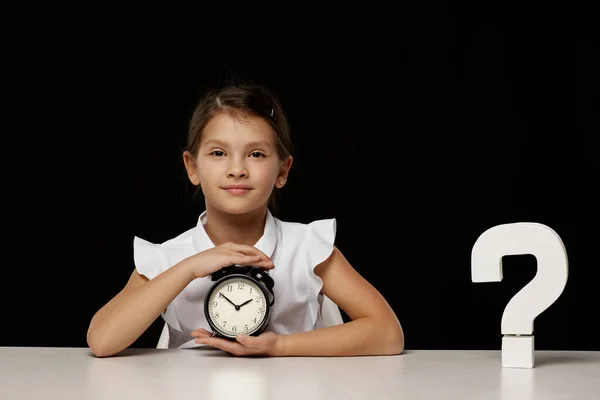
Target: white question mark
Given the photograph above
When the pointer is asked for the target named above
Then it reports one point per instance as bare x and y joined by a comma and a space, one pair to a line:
543, 290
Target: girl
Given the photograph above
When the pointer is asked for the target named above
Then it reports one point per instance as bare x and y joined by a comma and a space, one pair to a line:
238, 154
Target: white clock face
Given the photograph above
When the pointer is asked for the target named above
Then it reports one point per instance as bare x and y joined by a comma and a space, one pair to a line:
237, 305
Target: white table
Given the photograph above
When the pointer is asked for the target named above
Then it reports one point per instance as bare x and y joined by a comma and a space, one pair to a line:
209, 374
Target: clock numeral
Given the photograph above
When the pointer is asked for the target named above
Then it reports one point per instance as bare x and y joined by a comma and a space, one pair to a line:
234, 328
250, 290
217, 315
229, 288
224, 324
258, 298
246, 327
261, 310
241, 286
254, 320
214, 303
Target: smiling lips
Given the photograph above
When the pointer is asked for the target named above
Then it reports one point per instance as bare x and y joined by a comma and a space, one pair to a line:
237, 189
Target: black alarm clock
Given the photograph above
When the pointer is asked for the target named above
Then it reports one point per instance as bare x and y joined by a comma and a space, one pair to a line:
240, 301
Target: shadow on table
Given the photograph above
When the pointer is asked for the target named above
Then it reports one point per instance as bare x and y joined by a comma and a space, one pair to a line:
546, 359
140, 352
204, 351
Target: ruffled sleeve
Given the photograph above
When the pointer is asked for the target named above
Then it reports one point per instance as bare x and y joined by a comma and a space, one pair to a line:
319, 246
149, 258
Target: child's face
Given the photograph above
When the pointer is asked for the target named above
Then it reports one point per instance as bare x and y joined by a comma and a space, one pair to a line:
238, 152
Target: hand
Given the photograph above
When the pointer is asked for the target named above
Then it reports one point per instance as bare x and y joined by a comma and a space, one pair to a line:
235, 305
266, 344
244, 303
208, 261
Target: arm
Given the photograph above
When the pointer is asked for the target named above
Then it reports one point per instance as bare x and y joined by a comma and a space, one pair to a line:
374, 328
123, 319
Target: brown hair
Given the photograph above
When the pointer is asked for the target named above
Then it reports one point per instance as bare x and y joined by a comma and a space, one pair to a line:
241, 100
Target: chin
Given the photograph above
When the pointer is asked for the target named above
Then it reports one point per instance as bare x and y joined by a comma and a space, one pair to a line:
240, 208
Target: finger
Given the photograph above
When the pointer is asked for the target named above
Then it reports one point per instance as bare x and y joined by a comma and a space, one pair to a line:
244, 259
255, 261
225, 345
200, 333
250, 341
264, 264
249, 250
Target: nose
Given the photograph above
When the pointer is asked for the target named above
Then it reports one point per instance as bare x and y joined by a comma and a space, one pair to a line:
237, 169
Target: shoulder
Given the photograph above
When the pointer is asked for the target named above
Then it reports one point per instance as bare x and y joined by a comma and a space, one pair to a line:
153, 258
181, 242
300, 231
313, 240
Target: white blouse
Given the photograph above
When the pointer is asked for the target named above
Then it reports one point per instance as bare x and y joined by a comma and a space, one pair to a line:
295, 249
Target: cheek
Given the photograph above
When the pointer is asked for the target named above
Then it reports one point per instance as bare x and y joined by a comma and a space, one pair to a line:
270, 172
267, 180
268, 175
208, 171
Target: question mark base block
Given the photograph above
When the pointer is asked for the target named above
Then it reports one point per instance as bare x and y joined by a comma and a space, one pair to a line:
517, 351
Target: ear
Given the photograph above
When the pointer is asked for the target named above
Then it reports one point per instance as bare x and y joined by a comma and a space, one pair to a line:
284, 170
190, 166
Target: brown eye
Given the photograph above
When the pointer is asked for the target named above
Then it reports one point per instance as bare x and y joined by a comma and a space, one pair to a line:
257, 154
217, 153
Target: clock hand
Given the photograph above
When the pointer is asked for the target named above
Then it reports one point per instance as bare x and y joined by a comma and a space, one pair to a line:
226, 298
246, 302
229, 319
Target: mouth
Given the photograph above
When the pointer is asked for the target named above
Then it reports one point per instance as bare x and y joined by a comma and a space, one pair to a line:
237, 190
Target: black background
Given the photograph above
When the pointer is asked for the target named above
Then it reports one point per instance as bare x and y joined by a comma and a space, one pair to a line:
417, 127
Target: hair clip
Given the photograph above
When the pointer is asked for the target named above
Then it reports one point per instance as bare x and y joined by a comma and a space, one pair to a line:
271, 112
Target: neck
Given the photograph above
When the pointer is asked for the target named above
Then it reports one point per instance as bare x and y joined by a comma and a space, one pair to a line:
244, 229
